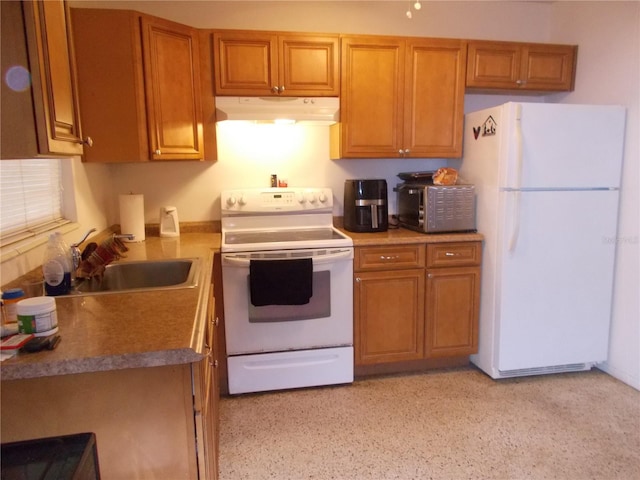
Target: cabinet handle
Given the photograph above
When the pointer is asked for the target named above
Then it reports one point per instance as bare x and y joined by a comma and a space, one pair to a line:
281, 89
357, 279
401, 152
521, 82
451, 254
158, 152
216, 321
407, 151
215, 364
88, 141
389, 257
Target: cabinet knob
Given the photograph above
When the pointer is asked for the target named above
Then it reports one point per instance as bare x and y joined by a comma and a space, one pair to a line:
275, 89
357, 279
158, 152
407, 151
215, 364
521, 82
88, 141
281, 89
216, 321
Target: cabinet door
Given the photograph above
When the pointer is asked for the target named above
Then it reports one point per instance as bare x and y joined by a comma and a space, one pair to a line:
309, 65
452, 302
45, 119
372, 93
548, 67
172, 86
246, 63
434, 98
389, 316
493, 65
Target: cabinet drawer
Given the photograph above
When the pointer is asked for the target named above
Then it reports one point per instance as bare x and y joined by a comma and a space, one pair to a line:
395, 256
454, 254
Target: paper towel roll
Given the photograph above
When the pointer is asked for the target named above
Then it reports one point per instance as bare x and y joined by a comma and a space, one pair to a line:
132, 216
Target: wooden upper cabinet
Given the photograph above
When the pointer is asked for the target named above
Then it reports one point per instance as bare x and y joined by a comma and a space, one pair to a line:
265, 63
139, 90
40, 117
400, 97
172, 88
521, 66
434, 98
372, 96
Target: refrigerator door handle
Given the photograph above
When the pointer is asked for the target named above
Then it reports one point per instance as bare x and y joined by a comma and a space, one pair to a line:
519, 152
515, 221
515, 211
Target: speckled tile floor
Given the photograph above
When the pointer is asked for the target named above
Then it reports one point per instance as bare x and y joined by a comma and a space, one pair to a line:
454, 424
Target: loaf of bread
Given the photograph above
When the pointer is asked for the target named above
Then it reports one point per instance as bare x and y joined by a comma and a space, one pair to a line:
445, 176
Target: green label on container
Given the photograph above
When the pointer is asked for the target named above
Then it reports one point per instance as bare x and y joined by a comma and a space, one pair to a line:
27, 324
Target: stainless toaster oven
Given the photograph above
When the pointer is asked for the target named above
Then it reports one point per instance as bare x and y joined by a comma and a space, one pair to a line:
436, 208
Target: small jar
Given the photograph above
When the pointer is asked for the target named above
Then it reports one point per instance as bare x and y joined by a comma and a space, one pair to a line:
10, 299
38, 315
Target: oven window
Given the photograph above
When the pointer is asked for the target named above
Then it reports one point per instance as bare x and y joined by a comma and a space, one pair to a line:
319, 305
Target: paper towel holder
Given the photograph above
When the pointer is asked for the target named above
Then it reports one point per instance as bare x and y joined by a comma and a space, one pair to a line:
169, 225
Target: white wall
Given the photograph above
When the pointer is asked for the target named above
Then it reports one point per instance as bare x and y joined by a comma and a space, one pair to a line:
608, 35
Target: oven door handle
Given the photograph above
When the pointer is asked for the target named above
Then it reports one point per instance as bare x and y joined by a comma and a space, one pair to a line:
243, 261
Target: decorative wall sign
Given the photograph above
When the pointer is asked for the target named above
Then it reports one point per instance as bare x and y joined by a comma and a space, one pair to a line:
488, 128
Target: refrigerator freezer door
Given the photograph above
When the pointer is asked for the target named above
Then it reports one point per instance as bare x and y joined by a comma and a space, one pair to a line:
553, 292
561, 146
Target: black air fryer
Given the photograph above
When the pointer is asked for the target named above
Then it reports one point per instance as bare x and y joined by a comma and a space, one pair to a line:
365, 205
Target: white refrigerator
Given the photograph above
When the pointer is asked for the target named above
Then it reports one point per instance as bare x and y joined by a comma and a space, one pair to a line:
547, 180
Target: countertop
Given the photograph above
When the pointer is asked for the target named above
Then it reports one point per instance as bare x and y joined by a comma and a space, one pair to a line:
403, 236
148, 329
141, 329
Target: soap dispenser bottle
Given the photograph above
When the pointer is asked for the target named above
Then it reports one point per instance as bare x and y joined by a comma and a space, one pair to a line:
169, 225
56, 267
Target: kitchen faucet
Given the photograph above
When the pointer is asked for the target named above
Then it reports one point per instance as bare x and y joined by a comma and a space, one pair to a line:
76, 255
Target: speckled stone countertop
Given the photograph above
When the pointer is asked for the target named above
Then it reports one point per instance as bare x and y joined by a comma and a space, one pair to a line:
403, 236
141, 329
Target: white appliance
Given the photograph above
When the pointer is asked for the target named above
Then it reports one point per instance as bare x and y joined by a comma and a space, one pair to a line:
307, 110
272, 343
547, 179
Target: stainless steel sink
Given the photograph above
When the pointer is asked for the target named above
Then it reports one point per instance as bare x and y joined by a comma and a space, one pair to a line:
143, 275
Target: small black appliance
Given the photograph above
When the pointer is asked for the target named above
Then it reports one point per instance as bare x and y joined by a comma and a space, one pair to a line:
365, 205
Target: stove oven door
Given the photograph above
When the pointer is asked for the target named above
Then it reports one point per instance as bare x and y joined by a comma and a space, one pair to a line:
326, 321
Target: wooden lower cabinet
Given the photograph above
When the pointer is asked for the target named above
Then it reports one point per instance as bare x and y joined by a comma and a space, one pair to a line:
452, 300
389, 307
416, 302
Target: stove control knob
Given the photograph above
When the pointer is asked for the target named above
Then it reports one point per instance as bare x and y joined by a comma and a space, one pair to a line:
301, 198
231, 201
242, 200
322, 197
312, 197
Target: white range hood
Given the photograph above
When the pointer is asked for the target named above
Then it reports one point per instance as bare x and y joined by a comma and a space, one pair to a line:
308, 110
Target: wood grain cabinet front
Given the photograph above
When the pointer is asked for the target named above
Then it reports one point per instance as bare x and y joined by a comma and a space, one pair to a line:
452, 299
404, 311
389, 303
254, 63
40, 113
140, 93
400, 97
520, 66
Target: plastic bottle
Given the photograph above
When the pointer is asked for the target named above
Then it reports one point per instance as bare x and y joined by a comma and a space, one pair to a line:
10, 299
56, 267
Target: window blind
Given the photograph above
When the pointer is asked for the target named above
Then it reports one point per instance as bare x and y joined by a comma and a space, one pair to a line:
30, 198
